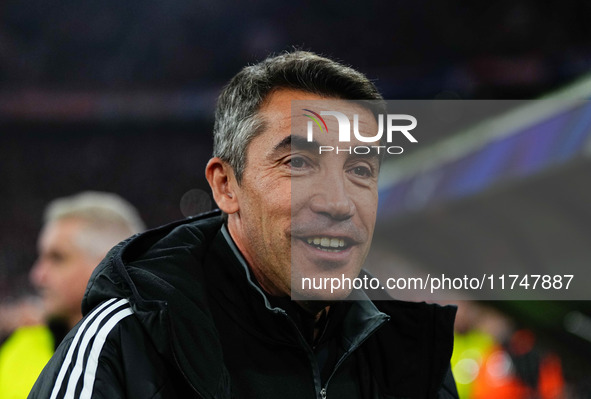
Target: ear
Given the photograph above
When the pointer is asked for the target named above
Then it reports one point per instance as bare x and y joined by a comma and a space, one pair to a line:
223, 185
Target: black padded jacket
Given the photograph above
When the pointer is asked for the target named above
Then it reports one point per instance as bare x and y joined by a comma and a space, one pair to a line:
174, 313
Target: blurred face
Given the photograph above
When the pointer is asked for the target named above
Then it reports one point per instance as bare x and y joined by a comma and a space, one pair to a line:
63, 269
302, 213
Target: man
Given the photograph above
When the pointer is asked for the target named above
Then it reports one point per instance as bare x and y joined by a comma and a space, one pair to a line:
201, 308
77, 234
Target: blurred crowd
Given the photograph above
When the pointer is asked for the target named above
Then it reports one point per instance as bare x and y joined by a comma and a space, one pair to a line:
496, 358
417, 49
46, 164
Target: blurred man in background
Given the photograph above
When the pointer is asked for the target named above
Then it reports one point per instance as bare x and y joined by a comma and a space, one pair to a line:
78, 232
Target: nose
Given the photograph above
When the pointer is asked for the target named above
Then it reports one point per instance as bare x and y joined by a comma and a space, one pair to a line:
332, 199
38, 273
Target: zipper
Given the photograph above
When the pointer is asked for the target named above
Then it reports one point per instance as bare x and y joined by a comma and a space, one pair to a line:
345, 356
309, 353
176, 360
178, 366
311, 356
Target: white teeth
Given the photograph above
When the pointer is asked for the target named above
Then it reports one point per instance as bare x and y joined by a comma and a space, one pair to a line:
327, 242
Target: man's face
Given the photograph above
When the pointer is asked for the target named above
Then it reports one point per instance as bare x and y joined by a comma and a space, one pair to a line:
302, 212
62, 269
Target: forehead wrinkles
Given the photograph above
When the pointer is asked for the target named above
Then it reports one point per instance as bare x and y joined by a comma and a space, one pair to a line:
367, 127
282, 113
349, 110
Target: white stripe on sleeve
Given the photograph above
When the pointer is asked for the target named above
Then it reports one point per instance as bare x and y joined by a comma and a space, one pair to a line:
97, 346
72, 348
88, 335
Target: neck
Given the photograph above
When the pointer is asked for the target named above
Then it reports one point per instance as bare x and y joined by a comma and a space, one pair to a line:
315, 308
73, 320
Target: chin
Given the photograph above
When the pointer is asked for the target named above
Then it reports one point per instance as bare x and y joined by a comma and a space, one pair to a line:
316, 282
320, 295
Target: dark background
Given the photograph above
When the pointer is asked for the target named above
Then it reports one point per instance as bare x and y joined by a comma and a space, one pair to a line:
118, 95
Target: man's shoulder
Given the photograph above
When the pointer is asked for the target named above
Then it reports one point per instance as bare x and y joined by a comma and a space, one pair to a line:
415, 346
106, 351
423, 324
413, 317
169, 252
103, 326
417, 311
192, 232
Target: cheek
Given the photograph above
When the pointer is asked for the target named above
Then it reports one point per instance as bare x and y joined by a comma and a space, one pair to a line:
367, 204
75, 275
66, 280
78, 279
270, 202
301, 195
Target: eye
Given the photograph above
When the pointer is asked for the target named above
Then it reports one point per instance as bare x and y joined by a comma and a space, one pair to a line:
56, 257
297, 163
362, 171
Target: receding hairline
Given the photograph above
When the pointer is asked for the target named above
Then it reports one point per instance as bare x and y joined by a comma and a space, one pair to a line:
96, 208
102, 220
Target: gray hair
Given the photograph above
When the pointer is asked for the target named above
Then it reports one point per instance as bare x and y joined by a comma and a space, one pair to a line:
236, 116
108, 219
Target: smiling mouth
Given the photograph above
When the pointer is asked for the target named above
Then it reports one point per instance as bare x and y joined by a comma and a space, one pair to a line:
328, 244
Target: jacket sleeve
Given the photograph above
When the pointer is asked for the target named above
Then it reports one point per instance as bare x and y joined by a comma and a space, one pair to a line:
448, 388
104, 358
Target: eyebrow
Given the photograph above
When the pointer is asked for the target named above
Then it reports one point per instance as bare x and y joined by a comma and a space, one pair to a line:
297, 142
